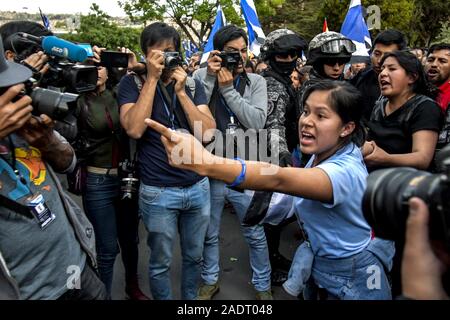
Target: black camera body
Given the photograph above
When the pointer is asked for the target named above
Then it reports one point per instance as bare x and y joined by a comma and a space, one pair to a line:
129, 181
385, 201
172, 60
230, 59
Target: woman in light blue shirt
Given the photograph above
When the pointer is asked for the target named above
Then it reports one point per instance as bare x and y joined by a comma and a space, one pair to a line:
348, 262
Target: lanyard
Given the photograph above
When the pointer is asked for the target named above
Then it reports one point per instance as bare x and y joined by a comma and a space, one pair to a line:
14, 163
170, 112
230, 113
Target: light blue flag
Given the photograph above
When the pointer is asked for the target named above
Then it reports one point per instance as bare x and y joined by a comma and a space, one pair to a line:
255, 33
219, 23
355, 28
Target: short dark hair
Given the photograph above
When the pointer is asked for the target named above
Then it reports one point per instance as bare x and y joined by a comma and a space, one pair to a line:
30, 27
413, 67
346, 100
157, 32
226, 34
391, 36
439, 46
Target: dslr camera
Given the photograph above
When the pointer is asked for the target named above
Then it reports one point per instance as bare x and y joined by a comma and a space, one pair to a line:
230, 59
385, 201
172, 60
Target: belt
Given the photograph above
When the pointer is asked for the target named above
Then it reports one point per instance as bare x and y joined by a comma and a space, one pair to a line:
111, 171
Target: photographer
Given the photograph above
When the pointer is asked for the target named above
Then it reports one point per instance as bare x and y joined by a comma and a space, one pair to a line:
238, 101
422, 266
102, 146
170, 199
44, 236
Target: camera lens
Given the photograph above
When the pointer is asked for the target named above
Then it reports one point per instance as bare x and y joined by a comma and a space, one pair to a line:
385, 202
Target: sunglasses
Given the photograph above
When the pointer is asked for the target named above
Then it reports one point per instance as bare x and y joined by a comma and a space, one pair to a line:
332, 61
285, 55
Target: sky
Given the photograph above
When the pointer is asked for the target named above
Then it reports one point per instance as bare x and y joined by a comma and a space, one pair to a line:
62, 6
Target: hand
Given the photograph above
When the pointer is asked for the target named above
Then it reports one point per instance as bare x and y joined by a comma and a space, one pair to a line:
225, 77
38, 62
368, 148
421, 268
13, 115
184, 151
377, 157
133, 64
155, 64
214, 63
38, 132
180, 76
285, 159
97, 51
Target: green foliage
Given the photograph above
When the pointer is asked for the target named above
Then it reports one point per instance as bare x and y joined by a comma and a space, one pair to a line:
194, 18
96, 29
444, 35
298, 15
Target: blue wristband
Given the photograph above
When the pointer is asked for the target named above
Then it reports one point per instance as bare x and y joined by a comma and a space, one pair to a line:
241, 177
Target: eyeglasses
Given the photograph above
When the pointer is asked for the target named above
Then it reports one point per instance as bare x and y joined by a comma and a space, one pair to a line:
332, 61
336, 46
285, 55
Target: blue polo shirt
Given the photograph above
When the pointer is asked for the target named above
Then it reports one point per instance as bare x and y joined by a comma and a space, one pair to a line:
338, 229
154, 167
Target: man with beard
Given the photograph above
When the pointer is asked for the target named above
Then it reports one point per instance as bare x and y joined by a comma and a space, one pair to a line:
170, 199
437, 69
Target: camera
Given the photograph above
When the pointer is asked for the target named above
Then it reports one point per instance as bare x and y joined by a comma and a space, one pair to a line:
385, 201
62, 73
230, 59
172, 60
129, 183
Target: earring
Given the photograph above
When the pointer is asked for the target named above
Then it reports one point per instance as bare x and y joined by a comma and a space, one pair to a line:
343, 135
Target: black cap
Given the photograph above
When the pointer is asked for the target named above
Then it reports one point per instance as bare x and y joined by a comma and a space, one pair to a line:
11, 73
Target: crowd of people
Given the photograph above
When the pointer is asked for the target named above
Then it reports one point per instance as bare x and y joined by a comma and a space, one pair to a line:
174, 132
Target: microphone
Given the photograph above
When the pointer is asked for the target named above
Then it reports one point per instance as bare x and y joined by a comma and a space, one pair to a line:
55, 46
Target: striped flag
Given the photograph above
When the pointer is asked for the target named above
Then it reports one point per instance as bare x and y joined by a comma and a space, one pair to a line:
255, 33
355, 28
218, 23
45, 20
325, 26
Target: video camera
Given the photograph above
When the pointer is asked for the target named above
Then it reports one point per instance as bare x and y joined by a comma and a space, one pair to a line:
63, 74
385, 201
172, 60
230, 59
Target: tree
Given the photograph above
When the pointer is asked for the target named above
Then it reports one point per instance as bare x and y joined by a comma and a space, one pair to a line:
429, 18
194, 17
394, 14
96, 28
300, 16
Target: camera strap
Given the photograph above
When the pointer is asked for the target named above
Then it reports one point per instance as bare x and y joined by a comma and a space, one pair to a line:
174, 112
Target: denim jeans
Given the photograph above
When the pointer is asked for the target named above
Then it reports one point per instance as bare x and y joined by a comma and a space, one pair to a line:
113, 220
254, 235
164, 212
359, 277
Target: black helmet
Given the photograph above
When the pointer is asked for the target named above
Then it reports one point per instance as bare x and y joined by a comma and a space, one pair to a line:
330, 44
282, 41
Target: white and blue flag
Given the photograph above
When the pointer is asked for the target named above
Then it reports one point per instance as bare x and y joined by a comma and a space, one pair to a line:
255, 33
218, 23
45, 20
355, 28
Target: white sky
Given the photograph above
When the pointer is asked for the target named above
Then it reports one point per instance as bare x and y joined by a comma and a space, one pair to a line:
111, 7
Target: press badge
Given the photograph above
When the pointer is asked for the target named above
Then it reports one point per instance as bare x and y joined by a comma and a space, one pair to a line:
231, 127
40, 210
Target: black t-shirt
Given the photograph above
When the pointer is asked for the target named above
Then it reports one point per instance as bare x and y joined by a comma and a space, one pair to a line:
393, 133
367, 83
154, 167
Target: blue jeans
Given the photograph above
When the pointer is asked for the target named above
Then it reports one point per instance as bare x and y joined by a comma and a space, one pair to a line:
254, 235
359, 277
113, 220
164, 212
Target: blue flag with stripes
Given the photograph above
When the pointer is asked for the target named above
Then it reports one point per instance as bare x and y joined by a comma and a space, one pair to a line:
218, 23
355, 28
45, 20
255, 33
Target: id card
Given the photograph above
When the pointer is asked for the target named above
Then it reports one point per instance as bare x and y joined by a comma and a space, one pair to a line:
40, 210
